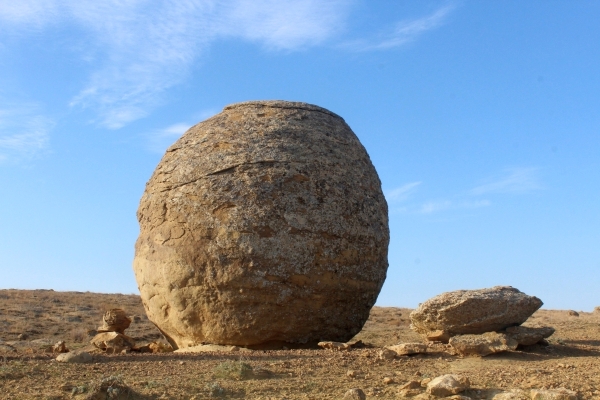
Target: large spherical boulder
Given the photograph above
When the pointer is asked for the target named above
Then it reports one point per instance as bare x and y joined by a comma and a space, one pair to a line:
265, 223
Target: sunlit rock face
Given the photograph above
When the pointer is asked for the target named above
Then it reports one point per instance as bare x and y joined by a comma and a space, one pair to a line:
265, 223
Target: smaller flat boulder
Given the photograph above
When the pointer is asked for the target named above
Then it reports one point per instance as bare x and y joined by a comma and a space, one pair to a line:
526, 336
474, 311
483, 345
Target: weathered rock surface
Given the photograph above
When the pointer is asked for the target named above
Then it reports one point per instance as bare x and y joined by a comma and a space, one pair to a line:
203, 348
75, 357
474, 311
338, 346
355, 394
113, 342
526, 336
405, 349
483, 345
438, 336
115, 320
448, 385
553, 394
386, 354
60, 347
263, 223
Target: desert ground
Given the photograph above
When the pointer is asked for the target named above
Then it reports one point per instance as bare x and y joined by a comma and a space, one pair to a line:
30, 320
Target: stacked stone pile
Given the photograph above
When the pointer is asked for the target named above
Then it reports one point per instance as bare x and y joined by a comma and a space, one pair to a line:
111, 335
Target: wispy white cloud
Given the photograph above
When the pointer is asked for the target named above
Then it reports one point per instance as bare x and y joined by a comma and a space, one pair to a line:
431, 207
401, 193
24, 133
145, 47
404, 32
514, 180
158, 141
434, 206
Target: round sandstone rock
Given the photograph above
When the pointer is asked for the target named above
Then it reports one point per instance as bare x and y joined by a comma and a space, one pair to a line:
265, 223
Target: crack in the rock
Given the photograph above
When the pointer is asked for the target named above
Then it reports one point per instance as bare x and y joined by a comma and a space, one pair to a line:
223, 170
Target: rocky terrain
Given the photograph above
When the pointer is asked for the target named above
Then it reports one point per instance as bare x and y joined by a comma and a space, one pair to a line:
33, 321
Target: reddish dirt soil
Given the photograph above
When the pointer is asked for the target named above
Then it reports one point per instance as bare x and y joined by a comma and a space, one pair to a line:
571, 360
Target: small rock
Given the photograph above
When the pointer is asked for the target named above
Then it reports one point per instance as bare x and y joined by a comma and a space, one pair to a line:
553, 394
438, 336
573, 313
388, 381
448, 385
337, 346
357, 345
113, 342
597, 310
160, 347
408, 348
115, 320
483, 345
23, 336
80, 357
355, 394
526, 336
409, 392
386, 354
351, 373
411, 385
425, 382
60, 347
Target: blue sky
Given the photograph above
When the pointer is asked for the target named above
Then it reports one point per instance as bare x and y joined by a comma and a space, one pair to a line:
480, 117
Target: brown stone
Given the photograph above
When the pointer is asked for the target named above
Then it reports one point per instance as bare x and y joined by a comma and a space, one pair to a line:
334, 346
573, 313
526, 336
553, 394
113, 342
405, 349
447, 385
386, 354
263, 223
60, 347
355, 394
438, 336
115, 320
411, 385
77, 357
483, 345
474, 311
